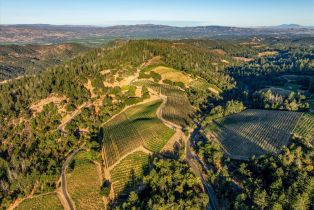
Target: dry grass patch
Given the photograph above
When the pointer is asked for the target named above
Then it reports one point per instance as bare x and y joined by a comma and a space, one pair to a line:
243, 59
106, 71
90, 88
172, 74
219, 51
225, 61
53, 98
153, 61
138, 92
267, 53
127, 80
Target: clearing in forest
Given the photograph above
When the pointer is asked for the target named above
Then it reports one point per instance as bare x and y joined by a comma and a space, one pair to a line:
53, 98
254, 132
47, 201
173, 75
83, 182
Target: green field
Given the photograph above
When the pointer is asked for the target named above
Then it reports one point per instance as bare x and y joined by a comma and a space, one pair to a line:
137, 126
255, 132
83, 183
131, 165
48, 202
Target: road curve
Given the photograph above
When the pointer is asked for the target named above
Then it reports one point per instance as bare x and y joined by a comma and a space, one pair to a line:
63, 179
213, 204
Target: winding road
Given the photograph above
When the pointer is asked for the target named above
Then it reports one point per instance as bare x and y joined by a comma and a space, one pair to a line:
191, 157
63, 179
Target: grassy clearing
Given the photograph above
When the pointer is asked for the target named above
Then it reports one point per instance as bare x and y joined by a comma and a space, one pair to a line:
255, 132
83, 183
172, 75
136, 126
129, 168
47, 202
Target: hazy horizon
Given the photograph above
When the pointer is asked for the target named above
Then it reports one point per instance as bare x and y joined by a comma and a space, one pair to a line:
162, 23
241, 13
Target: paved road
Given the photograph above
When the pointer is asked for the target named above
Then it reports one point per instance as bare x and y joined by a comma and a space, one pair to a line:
63, 179
213, 204
73, 114
191, 157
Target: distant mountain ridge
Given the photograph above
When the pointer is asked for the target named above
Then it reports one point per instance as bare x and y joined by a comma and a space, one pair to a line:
44, 33
292, 26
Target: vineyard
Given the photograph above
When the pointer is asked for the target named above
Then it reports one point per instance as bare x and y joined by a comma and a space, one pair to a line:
178, 108
202, 84
48, 201
83, 183
164, 89
255, 132
136, 126
129, 168
305, 126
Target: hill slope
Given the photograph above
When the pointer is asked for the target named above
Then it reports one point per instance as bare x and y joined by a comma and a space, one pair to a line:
29, 59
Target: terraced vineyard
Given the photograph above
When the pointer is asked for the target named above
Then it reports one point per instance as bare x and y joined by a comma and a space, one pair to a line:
163, 89
130, 166
136, 126
178, 108
255, 132
83, 183
49, 201
305, 126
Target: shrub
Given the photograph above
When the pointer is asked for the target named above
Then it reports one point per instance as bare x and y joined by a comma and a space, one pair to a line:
105, 188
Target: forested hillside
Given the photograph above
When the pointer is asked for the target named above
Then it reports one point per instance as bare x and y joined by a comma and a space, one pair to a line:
34, 139
117, 109
18, 60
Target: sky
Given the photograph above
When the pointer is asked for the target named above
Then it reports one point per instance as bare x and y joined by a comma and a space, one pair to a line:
168, 12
